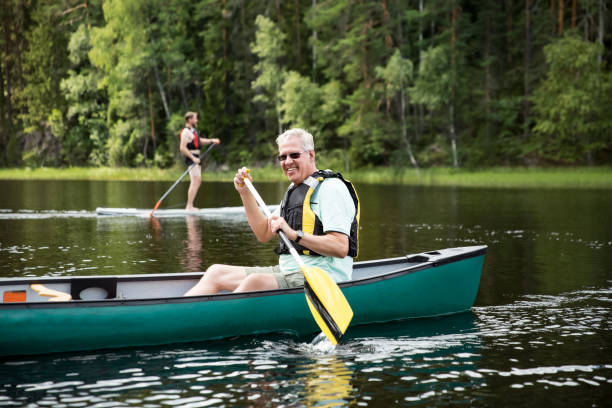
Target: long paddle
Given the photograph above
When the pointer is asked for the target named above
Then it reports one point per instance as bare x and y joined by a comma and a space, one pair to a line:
326, 301
179, 179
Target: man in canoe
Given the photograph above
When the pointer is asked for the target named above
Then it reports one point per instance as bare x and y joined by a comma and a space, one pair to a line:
319, 214
190, 148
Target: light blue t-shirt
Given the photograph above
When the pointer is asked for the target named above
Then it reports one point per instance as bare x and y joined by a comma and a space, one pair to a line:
334, 206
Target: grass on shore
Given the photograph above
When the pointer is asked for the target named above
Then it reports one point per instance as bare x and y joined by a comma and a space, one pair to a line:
498, 177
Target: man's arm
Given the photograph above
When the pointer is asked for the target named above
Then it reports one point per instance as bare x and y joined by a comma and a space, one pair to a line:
331, 244
204, 140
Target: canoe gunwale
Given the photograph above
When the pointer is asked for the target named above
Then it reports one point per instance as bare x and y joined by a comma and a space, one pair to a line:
401, 271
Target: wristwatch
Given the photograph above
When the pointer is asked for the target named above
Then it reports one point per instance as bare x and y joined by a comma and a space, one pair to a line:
300, 235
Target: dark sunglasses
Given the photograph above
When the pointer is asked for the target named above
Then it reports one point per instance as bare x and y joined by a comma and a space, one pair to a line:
294, 156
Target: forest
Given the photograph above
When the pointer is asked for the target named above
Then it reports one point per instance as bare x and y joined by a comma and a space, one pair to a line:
395, 83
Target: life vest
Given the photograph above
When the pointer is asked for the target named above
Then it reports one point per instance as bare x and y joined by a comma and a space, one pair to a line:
295, 209
195, 143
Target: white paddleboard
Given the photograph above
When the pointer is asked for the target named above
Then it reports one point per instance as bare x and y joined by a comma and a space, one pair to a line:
177, 212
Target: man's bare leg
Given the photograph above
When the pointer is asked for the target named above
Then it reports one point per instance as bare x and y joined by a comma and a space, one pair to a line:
195, 176
217, 278
257, 281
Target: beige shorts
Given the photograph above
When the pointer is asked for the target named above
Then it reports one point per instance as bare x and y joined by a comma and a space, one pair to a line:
196, 171
285, 280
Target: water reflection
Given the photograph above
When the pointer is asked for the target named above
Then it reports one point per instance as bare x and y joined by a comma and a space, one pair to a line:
191, 261
327, 383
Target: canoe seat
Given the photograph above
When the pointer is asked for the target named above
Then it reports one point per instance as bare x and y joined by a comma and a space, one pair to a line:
97, 288
53, 295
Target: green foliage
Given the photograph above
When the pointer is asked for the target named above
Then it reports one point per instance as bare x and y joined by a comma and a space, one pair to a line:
84, 134
269, 50
573, 103
377, 83
432, 84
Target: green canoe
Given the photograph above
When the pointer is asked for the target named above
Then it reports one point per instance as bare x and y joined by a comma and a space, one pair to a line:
138, 310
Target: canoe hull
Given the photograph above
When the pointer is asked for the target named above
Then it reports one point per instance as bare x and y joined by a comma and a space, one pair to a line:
424, 289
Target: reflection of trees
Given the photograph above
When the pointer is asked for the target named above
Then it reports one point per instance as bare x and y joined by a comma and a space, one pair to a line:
191, 259
327, 383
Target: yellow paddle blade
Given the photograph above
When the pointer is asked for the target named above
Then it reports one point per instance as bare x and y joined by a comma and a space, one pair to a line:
327, 303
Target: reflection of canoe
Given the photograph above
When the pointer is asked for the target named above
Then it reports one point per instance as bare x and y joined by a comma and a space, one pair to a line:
177, 212
134, 310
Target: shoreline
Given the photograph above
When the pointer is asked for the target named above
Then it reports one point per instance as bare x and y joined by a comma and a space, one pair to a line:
494, 177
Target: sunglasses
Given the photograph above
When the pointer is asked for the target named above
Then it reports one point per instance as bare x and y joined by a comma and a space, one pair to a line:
294, 156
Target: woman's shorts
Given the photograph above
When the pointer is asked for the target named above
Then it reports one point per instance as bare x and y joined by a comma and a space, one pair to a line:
285, 280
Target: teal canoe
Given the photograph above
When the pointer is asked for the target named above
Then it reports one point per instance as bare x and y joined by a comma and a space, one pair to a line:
140, 310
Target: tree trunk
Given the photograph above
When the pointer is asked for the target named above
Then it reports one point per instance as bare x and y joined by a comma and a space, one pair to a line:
487, 93
600, 31
387, 23
526, 63
298, 45
7, 70
509, 24
405, 129
573, 14
421, 110
277, 105
553, 16
453, 135
162, 93
183, 96
560, 17
151, 117
314, 42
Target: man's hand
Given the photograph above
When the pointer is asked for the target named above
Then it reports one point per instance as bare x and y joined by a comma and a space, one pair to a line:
241, 174
196, 160
278, 223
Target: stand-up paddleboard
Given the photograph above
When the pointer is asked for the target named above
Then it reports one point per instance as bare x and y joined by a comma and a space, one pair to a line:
177, 212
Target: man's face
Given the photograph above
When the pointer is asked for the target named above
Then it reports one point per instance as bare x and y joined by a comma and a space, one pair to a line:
193, 121
296, 170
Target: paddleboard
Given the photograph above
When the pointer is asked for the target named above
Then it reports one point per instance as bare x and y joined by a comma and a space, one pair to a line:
177, 212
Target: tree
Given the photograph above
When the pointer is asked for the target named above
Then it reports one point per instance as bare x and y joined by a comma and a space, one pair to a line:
572, 104
268, 47
45, 62
84, 135
122, 50
396, 77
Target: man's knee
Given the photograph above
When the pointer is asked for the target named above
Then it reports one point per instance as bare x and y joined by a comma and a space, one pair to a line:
257, 281
214, 271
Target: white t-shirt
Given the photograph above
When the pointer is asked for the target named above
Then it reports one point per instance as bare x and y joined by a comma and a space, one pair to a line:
333, 204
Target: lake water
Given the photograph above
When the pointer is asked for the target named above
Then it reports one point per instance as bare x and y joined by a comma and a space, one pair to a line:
538, 334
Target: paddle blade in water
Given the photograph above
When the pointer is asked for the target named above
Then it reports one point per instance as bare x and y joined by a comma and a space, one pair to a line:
327, 303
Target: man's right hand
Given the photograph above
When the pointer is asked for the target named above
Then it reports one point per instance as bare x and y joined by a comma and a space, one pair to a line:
196, 160
241, 174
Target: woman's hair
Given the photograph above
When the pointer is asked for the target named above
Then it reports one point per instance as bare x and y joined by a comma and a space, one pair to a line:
305, 138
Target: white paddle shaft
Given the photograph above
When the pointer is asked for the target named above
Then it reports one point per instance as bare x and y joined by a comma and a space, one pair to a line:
266, 211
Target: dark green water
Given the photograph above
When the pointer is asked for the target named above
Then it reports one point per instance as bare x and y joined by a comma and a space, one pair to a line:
538, 333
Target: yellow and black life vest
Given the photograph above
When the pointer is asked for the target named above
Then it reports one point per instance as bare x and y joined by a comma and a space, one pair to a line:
295, 209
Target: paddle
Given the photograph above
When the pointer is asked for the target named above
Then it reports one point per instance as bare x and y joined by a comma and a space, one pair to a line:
326, 301
179, 179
